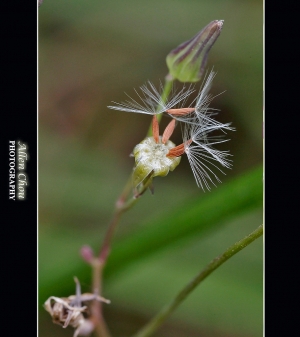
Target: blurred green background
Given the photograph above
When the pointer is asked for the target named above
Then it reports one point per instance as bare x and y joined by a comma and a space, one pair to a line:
90, 53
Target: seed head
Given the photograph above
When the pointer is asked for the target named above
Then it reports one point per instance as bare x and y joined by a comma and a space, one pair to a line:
158, 155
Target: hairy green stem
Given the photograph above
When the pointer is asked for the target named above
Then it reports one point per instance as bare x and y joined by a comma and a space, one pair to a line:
166, 311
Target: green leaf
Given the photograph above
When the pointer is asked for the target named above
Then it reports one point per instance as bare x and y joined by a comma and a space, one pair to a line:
196, 216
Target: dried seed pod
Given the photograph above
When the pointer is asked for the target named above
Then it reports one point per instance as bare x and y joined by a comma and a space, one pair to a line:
67, 311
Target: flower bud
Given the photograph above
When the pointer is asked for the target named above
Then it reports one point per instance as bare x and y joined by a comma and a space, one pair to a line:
86, 253
186, 63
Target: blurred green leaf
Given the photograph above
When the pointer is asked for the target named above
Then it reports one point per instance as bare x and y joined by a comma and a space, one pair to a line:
236, 197
196, 216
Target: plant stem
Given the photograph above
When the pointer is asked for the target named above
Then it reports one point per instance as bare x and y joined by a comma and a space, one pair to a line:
96, 308
123, 204
104, 252
166, 311
164, 96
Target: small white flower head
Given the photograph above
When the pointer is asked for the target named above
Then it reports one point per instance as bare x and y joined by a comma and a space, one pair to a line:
152, 155
69, 311
157, 155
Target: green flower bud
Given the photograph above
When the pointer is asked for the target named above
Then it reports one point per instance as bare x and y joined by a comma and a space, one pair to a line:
186, 63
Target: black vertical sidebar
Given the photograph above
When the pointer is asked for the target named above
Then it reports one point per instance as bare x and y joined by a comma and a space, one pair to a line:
19, 166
